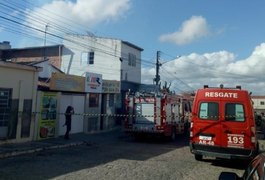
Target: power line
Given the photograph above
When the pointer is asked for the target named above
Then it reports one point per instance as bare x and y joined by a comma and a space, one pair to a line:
53, 37
58, 36
65, 22
178, 79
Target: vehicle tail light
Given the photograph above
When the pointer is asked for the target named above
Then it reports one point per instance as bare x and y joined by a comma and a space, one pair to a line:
253, 139
191, 134
159, 127
253, 132
191, 129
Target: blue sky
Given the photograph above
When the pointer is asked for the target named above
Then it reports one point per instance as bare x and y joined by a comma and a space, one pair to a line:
218, 41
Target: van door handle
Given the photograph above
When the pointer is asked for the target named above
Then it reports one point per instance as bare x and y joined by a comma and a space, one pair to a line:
227, 131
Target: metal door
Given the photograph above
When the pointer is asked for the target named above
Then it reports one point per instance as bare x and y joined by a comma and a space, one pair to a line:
78, 102
5, 106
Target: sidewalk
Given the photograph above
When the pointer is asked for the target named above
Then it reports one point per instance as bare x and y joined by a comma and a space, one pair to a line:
15, 149
9, 150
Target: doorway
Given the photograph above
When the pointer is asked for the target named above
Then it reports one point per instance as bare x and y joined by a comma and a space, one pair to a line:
5, 109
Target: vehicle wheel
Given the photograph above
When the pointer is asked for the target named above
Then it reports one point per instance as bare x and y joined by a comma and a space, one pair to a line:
258, 149
186, 127
198, 157
173, 134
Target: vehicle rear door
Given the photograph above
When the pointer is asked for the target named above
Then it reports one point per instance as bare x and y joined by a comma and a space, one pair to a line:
207, 127
236, 132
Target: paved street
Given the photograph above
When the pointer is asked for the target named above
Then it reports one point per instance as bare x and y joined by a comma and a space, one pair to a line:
115, 155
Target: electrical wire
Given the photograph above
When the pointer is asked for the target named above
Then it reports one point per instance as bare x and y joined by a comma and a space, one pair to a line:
179, 80
57, 36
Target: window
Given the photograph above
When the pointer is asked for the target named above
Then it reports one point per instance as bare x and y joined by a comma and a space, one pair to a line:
234, 112
262, 103
84, 57
5, 106
132, 60
87, 58
93, 100
91, 58
209, 110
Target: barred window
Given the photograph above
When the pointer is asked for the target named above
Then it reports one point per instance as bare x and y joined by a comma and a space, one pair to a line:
91, 58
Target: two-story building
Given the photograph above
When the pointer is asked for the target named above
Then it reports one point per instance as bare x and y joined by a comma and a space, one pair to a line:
116, 62
114, 59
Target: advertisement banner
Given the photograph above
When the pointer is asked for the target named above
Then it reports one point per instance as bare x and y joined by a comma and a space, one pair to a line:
66, 82
93, 83
109, 86
47, 117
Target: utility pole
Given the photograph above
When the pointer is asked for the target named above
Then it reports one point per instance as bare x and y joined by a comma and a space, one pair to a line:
158, 64
45, 32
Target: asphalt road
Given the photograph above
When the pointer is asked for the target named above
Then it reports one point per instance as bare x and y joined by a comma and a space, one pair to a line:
118, 158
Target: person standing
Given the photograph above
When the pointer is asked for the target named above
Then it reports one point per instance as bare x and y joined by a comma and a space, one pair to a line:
68, 120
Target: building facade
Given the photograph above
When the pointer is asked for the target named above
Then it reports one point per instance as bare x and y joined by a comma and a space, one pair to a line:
18, 94
114, 59
117, 62
34, 54
258, 103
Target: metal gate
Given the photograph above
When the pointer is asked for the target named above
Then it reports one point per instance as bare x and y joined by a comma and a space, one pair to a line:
5, 107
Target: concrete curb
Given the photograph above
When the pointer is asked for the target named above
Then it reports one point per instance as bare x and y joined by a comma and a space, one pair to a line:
30, 151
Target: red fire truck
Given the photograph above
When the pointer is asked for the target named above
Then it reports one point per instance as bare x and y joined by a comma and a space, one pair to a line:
153, 114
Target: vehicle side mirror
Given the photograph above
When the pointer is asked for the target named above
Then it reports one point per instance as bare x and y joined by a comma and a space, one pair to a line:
228, 176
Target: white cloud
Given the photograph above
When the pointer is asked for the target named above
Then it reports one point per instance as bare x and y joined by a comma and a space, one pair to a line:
213, 69
194, 28
75, 17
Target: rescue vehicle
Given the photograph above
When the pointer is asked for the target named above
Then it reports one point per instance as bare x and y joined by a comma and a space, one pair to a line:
223, 124
155, 114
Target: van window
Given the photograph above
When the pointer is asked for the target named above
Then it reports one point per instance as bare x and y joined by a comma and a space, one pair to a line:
209, 110
234, 112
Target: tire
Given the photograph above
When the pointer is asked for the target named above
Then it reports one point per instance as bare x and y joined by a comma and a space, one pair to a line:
173, 134
258, 149
198, 157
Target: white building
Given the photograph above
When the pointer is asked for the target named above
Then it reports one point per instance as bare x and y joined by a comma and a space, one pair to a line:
258, 103
119, 62
114, 59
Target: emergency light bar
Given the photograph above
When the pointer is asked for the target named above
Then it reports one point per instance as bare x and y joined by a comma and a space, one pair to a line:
222, 86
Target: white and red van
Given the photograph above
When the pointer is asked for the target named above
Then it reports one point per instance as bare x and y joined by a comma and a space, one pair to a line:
223, 124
